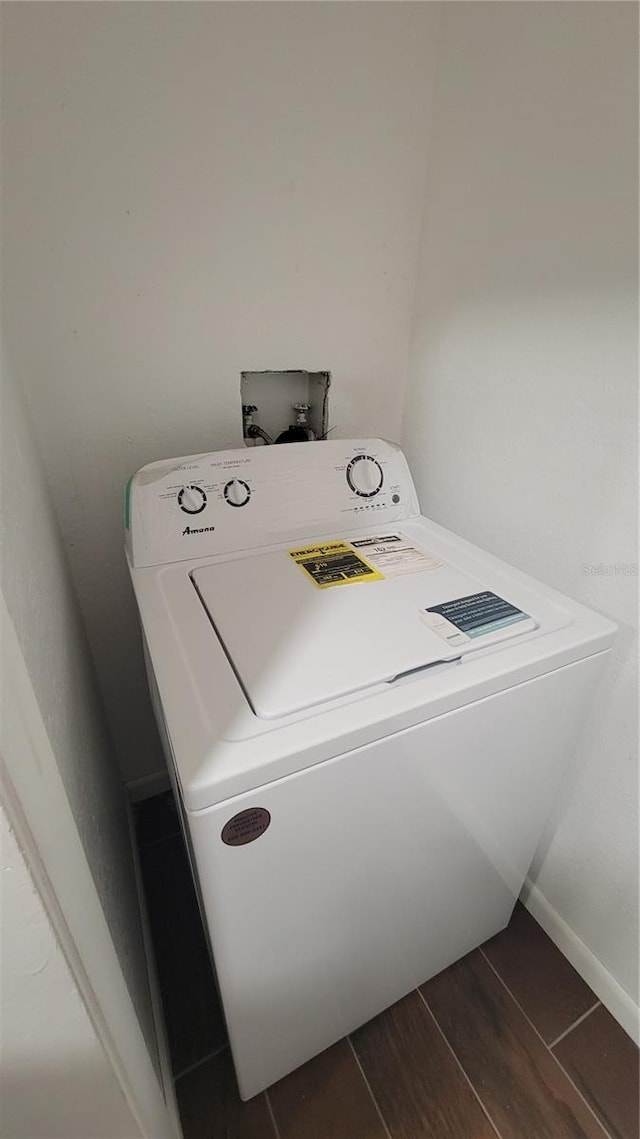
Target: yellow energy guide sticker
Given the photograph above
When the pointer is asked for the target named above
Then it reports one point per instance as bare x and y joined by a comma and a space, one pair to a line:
334, 563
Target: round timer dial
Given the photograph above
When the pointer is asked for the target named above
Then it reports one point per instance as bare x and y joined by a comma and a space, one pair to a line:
364, 475
237, 493
192, 499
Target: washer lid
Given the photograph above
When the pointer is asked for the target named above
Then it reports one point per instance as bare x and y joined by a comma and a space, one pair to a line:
296, 639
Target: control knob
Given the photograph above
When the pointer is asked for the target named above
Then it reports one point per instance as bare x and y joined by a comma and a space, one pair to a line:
192, 499
364, 476
236, 492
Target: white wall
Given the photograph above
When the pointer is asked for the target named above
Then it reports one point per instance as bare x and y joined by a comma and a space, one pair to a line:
55, 1080
37, 590
521, 405
192, 190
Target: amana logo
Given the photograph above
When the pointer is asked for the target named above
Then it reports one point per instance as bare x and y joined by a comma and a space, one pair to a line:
193, 530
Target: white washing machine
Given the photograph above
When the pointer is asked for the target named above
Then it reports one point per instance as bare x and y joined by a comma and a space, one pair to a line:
366, 719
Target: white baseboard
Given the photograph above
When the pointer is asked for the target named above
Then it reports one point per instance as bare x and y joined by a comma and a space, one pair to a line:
147, 785
607, 989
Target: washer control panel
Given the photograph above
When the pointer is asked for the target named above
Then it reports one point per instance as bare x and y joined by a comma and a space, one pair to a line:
216, 503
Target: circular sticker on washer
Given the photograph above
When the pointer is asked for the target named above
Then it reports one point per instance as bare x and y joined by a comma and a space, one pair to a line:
245, 826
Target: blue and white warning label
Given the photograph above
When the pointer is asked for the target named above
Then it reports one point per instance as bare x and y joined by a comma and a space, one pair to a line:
479, 615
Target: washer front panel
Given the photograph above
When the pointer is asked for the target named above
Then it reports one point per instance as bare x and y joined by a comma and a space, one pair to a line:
378, 868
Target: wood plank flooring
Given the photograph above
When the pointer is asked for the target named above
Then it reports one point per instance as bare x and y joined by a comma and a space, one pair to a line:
508, 1043
210, 1107
414, 1078
525, 1092
603, 1063
545, 985
327, 1096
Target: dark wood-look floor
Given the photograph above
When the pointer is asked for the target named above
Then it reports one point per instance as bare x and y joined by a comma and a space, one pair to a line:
509, 1043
